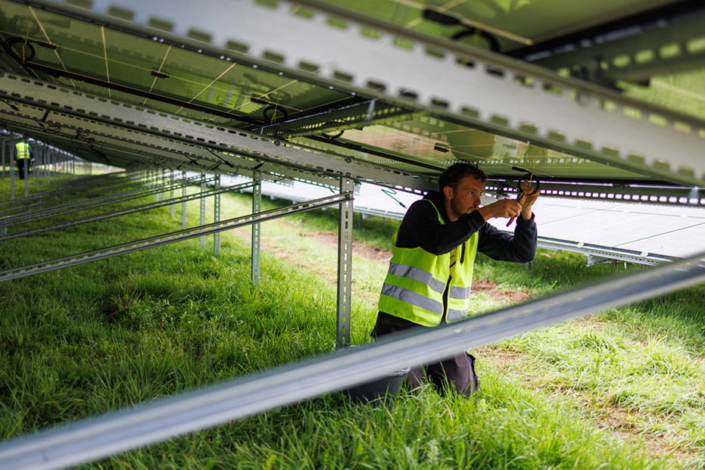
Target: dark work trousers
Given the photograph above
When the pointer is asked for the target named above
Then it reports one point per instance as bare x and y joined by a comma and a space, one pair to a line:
458, 371
21, 162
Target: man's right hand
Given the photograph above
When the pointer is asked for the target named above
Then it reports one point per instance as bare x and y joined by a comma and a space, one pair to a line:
503, 209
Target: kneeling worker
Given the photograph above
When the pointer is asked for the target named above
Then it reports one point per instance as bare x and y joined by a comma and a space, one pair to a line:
430, 273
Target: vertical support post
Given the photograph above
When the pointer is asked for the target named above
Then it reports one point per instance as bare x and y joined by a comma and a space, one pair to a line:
183, 204
50, 160
345, 228
216, 217
25, 170
12, 175
202, 220
171, 196
155, 182
162, 178
256, 229
3, 159
35, 169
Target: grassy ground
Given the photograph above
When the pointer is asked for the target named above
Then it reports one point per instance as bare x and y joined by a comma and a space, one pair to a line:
622, 389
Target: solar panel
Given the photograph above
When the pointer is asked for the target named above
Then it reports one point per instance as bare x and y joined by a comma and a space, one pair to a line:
266, 68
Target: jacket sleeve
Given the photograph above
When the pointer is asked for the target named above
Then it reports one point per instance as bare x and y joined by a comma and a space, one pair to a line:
519, 247
421, 227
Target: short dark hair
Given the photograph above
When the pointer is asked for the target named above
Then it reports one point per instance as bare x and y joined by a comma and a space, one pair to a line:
457, 171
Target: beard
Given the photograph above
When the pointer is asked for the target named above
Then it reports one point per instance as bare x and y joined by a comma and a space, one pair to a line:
457, 207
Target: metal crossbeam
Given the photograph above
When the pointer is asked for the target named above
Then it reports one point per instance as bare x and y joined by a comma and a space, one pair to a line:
119, 213
159, 240
168, 132
46, 197
79, 206
636, 192
495, 93
593, 251
656, 42
106, 435
335, 120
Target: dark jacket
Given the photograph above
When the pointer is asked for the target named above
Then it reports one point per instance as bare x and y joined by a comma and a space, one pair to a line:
420, 227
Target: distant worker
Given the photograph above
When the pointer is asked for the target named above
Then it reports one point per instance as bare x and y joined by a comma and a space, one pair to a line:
430, 274
23, 157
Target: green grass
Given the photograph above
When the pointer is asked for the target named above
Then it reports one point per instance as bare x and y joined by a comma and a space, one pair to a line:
84, 340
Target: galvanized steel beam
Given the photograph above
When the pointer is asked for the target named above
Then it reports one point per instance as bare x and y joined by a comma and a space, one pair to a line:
216, 214
168, 238
345, 243
631, 192
256, 227
72, 207
165, 133
120, 213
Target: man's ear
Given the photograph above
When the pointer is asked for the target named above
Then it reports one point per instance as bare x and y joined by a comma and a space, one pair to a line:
448, 192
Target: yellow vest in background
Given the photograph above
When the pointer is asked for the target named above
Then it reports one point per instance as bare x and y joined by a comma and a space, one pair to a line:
21, 150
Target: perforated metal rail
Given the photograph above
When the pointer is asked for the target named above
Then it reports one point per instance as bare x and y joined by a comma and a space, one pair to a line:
166, 132
518, 100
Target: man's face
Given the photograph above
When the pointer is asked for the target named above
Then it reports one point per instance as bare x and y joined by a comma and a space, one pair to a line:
465, 198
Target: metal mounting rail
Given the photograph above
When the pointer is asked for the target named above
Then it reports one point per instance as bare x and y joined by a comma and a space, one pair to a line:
58, 197
600, 52
120, 121
86, 186
99, 437
132, 210
428, 74
604, 253
65, 188
88, 204
130, 247
164, 149
669, 195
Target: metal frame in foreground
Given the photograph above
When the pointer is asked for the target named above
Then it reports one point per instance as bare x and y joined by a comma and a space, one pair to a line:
102, 436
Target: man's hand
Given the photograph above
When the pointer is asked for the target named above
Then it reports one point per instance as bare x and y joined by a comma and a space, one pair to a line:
504, 209
527, 199
511, 208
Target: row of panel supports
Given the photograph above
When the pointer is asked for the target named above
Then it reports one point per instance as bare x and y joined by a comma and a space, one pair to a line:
25, 211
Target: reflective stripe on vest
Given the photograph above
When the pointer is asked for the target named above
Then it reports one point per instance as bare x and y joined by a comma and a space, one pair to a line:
416, 281
412, 298
21, 150
417, 275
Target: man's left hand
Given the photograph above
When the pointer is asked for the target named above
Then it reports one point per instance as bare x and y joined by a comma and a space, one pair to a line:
527, 199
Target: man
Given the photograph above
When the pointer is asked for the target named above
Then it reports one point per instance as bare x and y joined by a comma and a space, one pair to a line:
430, 273
22, 157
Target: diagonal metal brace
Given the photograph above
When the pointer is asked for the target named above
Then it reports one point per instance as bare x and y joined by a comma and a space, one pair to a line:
159, 240
119, 213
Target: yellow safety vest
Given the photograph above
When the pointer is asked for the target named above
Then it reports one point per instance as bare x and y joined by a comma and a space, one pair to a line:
416, 280
21, 150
